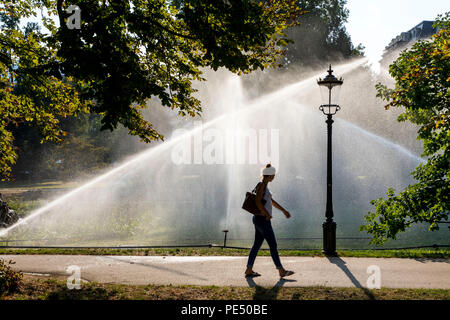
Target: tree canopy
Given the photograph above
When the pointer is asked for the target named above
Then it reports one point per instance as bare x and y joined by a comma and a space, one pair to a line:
124, 53
422, 87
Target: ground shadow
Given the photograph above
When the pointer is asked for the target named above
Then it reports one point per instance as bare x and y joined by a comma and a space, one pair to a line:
439, 260
177, 272
342, 265
85, 293
262, 293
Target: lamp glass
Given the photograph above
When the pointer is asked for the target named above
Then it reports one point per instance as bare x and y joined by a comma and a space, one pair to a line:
325, 94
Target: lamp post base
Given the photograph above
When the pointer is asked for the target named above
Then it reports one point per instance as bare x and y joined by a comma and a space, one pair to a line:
329, 238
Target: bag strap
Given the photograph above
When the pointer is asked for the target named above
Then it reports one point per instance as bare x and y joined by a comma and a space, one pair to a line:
256, 187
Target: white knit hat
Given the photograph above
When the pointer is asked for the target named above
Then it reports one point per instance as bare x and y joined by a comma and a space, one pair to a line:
270, 171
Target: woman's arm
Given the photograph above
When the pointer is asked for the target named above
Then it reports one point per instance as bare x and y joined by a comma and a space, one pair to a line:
279, 207
259, 195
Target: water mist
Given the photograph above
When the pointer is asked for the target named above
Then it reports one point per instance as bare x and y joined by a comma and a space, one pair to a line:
190, 187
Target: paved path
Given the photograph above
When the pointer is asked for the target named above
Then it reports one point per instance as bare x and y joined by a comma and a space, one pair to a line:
228, 271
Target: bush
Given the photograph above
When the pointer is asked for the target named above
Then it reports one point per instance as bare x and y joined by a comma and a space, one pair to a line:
9, 279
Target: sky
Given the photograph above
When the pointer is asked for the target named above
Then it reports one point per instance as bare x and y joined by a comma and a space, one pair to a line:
375, 22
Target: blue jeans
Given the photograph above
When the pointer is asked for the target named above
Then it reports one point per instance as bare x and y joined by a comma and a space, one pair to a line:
263, 230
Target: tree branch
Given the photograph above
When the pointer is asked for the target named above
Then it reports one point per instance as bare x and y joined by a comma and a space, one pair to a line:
171, 31
59, 4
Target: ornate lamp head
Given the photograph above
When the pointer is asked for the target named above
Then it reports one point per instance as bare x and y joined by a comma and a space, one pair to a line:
330, 101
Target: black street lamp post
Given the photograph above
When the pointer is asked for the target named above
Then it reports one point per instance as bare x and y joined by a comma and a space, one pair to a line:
329, 108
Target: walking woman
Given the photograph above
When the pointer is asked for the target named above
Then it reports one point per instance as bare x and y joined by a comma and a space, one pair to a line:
263, 226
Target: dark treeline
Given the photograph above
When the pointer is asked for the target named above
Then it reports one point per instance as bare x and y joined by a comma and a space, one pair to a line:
319, 39
84, 151
321, 36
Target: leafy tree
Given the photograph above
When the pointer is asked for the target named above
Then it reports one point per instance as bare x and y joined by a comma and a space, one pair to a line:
322, 34
422, 82
30, 93
124, 53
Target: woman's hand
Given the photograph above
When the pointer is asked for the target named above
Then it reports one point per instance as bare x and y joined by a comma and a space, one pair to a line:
279, 207
287, 214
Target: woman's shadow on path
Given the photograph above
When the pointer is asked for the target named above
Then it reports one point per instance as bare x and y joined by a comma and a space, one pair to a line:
262, 293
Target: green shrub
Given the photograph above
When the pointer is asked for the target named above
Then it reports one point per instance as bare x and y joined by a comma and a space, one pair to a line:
9, 279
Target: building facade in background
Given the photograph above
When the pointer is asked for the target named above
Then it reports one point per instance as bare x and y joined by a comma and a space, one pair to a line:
423, 30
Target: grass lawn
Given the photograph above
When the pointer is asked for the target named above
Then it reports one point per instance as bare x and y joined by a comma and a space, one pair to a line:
33, 287
217, 251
